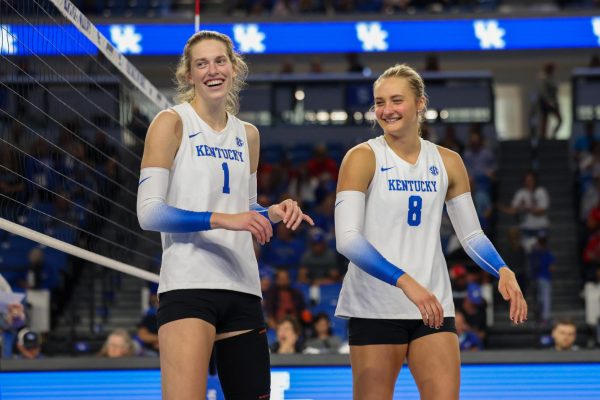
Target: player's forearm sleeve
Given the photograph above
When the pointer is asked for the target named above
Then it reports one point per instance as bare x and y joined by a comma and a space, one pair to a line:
153, 212
253, 198
350, 242
477, 245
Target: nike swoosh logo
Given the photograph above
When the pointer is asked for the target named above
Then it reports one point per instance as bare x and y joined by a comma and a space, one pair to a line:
145, 179
195, 134
385, 169
338, 203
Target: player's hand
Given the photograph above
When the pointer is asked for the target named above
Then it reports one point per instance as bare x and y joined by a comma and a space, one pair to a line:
430, 307
289, 213
510, 291
250, 221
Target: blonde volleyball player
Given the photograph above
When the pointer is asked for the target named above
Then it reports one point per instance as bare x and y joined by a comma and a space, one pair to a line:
198, 188
391, 193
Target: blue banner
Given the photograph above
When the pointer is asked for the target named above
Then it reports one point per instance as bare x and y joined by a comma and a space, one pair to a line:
319, 37
490, 382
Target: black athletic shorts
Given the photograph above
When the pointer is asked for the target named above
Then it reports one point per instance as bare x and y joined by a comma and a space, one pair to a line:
365, 331
227, 310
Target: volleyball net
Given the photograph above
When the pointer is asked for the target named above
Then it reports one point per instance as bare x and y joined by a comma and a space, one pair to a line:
73, 117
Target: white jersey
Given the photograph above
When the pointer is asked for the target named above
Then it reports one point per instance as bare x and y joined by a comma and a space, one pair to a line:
403, 213
211, 172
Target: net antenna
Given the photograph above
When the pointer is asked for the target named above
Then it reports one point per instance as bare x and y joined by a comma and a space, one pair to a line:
197, 17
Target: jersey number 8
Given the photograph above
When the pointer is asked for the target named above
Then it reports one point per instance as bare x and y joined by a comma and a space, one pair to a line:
415, 203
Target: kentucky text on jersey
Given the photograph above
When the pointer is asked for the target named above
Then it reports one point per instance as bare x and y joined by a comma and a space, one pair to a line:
402, 185
217, 152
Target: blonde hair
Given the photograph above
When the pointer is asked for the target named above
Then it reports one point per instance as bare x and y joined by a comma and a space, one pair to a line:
414, 80
129, 344
185, 90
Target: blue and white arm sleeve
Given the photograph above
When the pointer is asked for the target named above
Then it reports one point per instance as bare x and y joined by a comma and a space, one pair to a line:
350, 242
153, 212
253, 198
477, 245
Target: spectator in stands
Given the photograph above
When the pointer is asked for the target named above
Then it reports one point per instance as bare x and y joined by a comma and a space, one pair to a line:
450, 141
288, 337
354, 64
40, 169
479, 159
11, 319
584, 142
473, 305
283, 300
542, 264
285, 249
591, 254
322, 339
589, 201
147, 328
531, 203
287, 66
324, 214
284, 8
36, 273
564, 335
320, 163
397, 6
266, 272
516, 257
316, 66
547, 98
118, 344
467, 339
483, 204
303, 186
591, 293
102, 149
29, 345
458, 277
589, 166
320, 260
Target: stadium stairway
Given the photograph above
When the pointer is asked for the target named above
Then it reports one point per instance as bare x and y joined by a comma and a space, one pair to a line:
551, 161
103, 300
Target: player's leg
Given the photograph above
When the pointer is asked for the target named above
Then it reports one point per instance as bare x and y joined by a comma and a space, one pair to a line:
375, 369
434, 361
241, 348
185, 348
377, 350
186, 336
244, 365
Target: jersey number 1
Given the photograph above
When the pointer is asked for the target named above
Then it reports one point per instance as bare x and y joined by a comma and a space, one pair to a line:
415, 203
225, 177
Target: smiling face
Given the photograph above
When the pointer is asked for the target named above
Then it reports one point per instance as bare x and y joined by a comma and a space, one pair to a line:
211, 70
396, 106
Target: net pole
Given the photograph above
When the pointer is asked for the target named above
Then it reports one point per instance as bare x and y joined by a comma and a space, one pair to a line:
73, 250
197, 17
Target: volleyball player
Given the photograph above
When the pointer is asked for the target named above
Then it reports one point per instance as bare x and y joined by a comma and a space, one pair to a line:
198, 188
390, 196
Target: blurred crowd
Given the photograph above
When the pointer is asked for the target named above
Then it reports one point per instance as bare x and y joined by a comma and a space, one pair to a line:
285, 8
